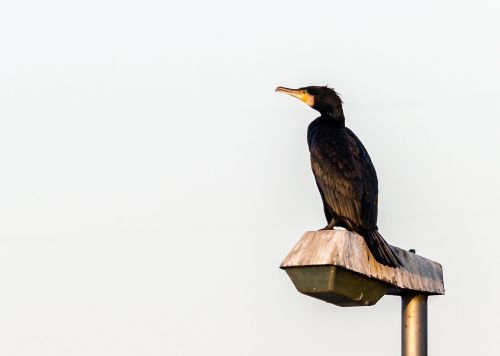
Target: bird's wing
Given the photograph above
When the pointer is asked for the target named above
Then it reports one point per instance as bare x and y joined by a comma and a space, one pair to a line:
346, 178
326, 207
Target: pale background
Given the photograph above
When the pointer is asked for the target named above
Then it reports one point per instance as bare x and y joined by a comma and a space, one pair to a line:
152, 181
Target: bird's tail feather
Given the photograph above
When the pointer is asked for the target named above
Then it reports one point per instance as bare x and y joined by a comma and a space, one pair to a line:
380, 249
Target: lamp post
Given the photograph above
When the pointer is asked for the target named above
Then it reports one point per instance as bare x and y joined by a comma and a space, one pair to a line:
336, 266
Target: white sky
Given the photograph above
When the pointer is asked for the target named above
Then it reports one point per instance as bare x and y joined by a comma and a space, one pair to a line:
152, 181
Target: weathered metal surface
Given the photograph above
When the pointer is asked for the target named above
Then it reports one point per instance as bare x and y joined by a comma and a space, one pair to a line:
414, 325
348, 250
337, 285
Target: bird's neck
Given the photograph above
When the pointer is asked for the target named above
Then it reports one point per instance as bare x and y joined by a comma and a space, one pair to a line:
337, 118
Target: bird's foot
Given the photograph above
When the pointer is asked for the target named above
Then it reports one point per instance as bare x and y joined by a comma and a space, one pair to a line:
330, 226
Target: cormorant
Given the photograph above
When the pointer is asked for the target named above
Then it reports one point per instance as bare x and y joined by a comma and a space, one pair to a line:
344, 172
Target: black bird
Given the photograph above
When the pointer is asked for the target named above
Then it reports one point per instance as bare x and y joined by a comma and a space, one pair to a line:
344, 172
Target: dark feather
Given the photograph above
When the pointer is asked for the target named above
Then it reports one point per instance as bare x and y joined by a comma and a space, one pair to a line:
348, 184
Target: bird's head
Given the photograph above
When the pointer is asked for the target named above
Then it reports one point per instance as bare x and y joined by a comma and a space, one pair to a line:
323, 99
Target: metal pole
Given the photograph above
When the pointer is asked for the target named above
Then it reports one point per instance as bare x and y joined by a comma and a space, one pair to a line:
414, 325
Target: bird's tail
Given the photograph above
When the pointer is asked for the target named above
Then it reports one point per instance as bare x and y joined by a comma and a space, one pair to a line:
380, 249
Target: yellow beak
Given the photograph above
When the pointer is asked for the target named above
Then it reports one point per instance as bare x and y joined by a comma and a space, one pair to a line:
298, 93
